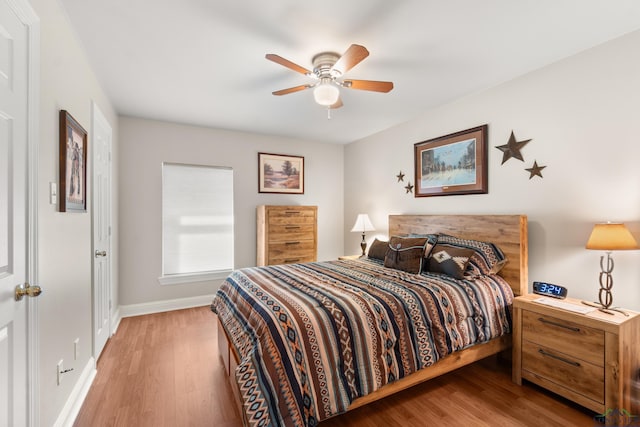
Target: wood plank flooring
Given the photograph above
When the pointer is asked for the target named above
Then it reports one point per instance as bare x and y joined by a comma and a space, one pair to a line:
163, 370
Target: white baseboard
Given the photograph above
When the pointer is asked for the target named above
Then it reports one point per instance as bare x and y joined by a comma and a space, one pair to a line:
71, 409
160, 306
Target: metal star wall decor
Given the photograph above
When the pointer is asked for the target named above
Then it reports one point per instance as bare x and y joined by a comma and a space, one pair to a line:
400, 176
535, 170
409, 187
512, 148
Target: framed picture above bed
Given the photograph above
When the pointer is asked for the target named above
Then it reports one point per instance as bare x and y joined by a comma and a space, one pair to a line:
452, 164
73, 165
279, 173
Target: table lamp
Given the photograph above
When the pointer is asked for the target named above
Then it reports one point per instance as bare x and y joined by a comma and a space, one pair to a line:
609, 237
362, 224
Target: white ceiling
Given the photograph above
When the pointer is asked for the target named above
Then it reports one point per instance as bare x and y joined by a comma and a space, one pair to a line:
202, 62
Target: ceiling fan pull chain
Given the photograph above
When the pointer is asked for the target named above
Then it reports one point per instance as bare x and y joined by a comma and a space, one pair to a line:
328, 113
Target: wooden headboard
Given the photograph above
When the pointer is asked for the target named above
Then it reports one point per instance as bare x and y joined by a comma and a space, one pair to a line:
508, 232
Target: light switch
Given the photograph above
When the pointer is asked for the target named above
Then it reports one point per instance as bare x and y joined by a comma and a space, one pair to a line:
53, 193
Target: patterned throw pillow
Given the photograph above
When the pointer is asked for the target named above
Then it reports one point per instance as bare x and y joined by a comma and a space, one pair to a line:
449, 260
406, 253
378, 249
487, 258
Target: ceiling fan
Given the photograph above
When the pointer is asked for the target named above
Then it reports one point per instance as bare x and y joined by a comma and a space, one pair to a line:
328, 70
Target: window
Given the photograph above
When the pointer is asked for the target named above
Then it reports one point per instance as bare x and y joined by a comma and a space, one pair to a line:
197, 223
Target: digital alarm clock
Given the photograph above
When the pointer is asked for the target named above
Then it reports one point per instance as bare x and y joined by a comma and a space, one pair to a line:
550, 290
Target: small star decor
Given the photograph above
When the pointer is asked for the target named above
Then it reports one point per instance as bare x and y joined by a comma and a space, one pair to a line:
409, 188
512, 148
535, 170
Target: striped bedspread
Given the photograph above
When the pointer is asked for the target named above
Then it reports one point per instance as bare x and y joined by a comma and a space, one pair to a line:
314, 337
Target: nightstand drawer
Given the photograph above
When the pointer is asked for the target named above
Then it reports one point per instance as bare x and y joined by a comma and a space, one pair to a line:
569, 374
579, 341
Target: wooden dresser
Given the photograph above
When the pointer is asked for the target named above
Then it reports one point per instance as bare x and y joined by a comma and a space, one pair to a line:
287, 234
592, 359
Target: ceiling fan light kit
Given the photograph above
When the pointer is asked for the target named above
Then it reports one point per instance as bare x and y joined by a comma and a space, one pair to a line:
326, 93
328, 68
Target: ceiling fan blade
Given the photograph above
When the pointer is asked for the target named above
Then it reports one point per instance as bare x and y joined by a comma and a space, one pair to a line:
352, 57
286, 63
372, 85
291, 89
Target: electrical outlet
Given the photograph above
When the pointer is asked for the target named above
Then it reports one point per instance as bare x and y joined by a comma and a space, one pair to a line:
60, 368
76, 348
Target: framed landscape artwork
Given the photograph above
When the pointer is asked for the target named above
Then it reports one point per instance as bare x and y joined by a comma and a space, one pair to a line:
452, 164
279, 173
73, 165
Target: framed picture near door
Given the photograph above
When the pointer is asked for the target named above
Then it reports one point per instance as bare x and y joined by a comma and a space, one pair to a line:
73, 165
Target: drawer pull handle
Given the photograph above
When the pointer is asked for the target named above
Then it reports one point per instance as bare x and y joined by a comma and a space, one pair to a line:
292, 212
562, 359
288, 261
292, 227
292, 243
560, 325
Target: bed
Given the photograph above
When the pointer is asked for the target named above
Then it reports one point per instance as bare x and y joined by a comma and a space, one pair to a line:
302, 343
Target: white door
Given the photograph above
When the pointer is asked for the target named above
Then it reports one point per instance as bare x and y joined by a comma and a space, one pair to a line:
101, 230
16, 210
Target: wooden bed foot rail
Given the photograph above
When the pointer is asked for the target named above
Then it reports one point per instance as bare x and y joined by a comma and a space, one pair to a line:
450, 363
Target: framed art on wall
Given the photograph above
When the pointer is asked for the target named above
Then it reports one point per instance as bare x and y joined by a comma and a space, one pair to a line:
279, 173
73, 165
452, 164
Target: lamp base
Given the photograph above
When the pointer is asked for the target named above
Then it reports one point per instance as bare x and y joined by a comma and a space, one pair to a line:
363, 244
606, 284
604, 309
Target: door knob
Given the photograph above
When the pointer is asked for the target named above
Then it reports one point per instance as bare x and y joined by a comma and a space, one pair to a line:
28, 290
101, 253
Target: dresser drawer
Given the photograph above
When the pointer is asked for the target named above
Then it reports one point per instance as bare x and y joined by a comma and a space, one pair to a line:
291, 259
300, 248
286, 233
568, 373
291, 214
579, 341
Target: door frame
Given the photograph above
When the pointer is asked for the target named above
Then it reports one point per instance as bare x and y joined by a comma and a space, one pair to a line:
30, 19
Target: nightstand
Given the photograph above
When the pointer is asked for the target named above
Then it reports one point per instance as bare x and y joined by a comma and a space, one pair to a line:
348, 257
592, 359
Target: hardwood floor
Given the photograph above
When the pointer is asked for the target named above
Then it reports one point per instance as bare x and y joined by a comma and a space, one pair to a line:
163, 370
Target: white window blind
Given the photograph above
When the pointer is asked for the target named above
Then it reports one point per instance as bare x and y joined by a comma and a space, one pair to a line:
197, 222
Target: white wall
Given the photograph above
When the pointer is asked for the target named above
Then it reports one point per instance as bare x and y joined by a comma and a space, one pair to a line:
145, 144
64, 252
582, 116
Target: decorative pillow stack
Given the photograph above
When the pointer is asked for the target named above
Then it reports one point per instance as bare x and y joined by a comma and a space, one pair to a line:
442, 253
485, 257
407, 253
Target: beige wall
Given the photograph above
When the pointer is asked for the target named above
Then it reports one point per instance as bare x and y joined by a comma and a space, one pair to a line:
145, 144
64, 242
582, 116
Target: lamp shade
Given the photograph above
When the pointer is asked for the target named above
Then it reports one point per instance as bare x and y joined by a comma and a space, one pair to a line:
362, 224
326, 94
611, 237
